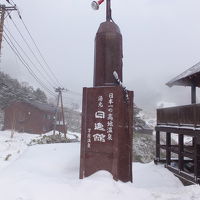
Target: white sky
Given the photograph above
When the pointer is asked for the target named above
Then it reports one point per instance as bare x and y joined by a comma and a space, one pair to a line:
161, 39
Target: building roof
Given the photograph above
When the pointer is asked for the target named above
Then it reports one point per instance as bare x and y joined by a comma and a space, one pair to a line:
42, 106
188, 77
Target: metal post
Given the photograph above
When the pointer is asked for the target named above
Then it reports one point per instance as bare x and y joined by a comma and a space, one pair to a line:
108, 11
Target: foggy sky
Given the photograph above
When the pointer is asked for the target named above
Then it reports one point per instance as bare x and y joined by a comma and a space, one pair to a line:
161, 39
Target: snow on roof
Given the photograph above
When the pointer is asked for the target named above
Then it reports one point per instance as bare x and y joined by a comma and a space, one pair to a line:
178, 80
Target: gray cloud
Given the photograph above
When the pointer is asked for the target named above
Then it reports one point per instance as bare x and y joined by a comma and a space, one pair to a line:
160, 39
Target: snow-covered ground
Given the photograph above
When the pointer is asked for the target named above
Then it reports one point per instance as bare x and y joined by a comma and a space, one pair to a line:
12, 148
51, 172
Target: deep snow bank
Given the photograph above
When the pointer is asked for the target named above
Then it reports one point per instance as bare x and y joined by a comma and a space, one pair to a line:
50, 172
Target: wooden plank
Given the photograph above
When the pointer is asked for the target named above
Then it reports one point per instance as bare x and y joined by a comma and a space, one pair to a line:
177, 130
175, 149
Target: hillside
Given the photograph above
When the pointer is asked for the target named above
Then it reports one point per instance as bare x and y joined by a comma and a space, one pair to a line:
12, 90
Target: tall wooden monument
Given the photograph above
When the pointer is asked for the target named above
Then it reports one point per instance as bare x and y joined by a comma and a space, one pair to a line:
107, 113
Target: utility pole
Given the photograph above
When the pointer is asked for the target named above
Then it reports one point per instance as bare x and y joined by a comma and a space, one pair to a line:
59, 90
3, 10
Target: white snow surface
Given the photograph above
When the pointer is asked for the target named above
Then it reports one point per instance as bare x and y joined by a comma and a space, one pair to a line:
51, 172
13, 147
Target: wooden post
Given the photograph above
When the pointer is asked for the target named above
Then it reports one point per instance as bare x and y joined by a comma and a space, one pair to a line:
196, 157
63, 116
193, 93
56, 115
2, 12
168, 148
157, 146
180, 151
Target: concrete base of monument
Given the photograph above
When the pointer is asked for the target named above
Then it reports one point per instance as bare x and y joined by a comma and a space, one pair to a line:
106, 135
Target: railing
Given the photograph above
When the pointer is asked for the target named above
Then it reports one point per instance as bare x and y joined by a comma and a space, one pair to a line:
188, 115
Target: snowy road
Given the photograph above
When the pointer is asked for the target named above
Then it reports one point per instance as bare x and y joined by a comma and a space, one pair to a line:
50, 172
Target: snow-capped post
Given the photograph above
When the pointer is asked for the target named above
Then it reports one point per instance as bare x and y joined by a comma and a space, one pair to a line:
107, 113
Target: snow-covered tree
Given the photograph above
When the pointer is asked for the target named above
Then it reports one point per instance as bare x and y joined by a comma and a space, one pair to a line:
12, 90
138, 122
40, 95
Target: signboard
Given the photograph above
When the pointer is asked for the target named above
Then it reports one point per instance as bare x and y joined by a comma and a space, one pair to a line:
106, 140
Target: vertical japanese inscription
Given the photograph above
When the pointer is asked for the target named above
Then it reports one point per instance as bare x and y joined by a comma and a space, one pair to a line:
100, 129
110, 117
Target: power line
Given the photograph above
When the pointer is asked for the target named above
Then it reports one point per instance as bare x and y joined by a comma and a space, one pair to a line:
40, 52
15, 50
3, 10
5, 31
75, 93
53, 80
35, 44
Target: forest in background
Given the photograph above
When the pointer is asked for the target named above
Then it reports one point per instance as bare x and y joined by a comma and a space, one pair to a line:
12, 90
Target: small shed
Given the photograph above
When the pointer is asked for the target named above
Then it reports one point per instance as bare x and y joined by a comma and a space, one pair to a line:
29, 117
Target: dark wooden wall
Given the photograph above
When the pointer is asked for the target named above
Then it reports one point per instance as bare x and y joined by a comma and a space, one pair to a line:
23, 117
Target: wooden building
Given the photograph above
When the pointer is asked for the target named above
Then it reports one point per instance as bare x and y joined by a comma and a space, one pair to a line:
183, 158
29, 117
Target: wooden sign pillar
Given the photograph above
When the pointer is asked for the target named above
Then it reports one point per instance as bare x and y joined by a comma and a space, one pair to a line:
107, 113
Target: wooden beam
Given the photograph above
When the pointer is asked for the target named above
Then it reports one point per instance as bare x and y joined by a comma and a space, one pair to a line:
193, 93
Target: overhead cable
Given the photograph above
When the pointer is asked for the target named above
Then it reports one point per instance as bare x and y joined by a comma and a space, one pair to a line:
17, 53
47, 65
13, 38
27, 44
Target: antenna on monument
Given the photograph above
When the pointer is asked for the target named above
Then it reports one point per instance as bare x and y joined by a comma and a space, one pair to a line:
95, 5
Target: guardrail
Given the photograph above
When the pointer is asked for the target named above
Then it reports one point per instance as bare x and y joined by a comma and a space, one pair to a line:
187, 115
